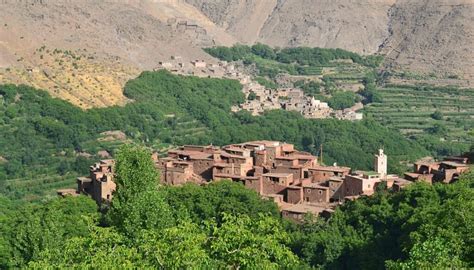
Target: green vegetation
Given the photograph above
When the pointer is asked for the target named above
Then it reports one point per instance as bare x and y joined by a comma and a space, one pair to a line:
265, 82
142, 230
305, 68
421, 227
294, 61
342, 100
311, 88
42, 137
224, 225
302, 55
428, 114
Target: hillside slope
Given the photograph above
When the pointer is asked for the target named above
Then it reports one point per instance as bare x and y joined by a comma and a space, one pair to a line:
423, 36
432, 36
116, 39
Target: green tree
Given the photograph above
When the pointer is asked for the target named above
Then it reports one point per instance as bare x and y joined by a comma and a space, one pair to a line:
342, 100
179, 247
241, 242
30, 229
433, 253
437, 115
136, 203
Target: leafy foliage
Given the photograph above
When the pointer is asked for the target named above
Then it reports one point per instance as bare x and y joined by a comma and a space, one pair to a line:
43, 135
137, 204
420, 227
343, 100
224, 225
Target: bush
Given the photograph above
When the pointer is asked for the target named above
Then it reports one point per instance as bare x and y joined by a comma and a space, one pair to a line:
342, 100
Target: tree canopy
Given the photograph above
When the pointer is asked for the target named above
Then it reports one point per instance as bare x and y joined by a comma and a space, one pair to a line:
45, 138
225, 225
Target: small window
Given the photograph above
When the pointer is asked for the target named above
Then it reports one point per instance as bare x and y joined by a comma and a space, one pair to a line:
308, 190
369, 186
320, 192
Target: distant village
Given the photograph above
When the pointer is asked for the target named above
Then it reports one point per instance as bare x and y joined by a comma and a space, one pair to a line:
295, 180
263, 99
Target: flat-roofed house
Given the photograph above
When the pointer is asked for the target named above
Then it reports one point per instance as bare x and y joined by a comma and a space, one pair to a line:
315, 193
355, 185
99, 185
324, 173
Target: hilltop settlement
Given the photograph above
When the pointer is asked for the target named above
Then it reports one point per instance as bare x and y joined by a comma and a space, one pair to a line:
296, 181
258, 97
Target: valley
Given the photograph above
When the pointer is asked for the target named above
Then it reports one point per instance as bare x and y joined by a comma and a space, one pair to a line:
236, 134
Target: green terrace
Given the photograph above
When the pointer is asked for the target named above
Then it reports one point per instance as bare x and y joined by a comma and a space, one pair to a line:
411, 110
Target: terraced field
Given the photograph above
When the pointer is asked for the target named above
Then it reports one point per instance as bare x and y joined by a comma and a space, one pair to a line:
411, 110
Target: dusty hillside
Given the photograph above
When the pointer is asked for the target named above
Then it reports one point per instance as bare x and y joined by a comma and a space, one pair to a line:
432, 36
121, 36
425, 36
355, 25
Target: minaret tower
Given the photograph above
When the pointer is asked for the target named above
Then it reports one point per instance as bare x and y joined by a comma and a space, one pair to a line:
380, 164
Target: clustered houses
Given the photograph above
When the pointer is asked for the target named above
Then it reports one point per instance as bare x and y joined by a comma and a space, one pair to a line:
446, 171
277, 171
290, 99
258, 97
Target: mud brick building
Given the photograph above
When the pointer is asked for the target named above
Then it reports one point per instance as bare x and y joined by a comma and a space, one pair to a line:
99, 184
446, 171
277, 171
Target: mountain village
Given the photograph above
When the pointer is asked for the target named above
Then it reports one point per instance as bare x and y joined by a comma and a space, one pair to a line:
258, 98
296, 181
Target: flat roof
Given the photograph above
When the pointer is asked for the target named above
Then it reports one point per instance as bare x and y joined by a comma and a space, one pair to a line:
277, 174
234, 148
454, 164
225, 175
303, 156
287, 158
330, 168
315, 185
192, 154
84, 179
225, 154
402, 181
263, 142
427, 163
302, 208
414, 175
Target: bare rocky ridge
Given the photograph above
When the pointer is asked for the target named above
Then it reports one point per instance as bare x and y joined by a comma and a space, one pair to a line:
124, 36
426, 36
432, 36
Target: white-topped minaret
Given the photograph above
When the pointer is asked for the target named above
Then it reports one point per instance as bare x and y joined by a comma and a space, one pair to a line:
380, 164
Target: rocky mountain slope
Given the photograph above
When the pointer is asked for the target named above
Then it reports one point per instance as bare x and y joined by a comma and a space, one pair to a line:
425, 36
126, 36
117, 39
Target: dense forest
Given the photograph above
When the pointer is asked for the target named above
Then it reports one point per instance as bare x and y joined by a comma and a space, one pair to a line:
43, 137
225, 225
